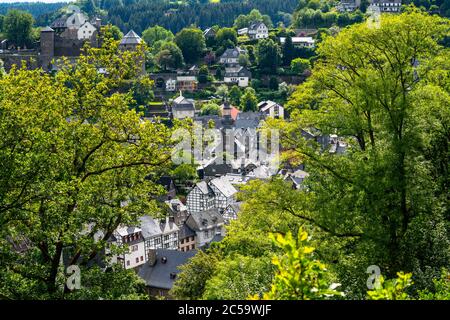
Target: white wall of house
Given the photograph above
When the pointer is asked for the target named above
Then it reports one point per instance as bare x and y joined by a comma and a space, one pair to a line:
135, 256
276, 111
240, 81
183, 114
171, 85
86, 31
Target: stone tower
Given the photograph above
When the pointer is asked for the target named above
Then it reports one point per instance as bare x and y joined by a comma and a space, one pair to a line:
47, 47
131, 42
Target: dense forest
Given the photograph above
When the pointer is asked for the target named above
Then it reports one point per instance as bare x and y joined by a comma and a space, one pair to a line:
140, 14
36, 9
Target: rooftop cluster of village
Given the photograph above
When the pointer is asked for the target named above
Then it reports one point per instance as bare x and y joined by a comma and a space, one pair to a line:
238, 79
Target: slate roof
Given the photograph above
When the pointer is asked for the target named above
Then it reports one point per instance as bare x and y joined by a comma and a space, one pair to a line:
205, 219
266, 105
59, 23
255, 25
232, 53
152, 227
209, 32
124, 231
240, 72
131, 38
204, 188
224, 186
185, 232
159, 275
183, 104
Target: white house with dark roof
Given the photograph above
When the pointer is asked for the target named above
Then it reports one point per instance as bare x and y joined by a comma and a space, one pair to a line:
271, 109
86, 31
300, 42
132, 238
76, 20
231, 56
183, 108
206, 224
258, 30
238, 75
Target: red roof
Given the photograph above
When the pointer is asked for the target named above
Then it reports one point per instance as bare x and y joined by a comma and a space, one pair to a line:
234, 113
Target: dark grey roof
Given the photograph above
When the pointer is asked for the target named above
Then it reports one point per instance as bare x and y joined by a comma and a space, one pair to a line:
204, 188
59, 23
214, 169
159, 275
153, 227
209, 32
232, 53
247, 123
205, 219
241, 72
224, 186
185, 232
150, 227
255, 25
131, 38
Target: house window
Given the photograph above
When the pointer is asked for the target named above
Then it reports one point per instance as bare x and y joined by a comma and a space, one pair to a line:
192, 246
128, 262
142, 258
182, 241
166, 238
137, 260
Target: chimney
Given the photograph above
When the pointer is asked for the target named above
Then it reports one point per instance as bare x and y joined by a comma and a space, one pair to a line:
98, 23
151, 256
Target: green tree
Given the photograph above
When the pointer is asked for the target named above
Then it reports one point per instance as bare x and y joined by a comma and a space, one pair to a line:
300, 65
222, 91
239, 277
210, 108
156, 33
299, 275
192, 43
169, 56
268, 55
18, 26
244, 21
75, 162
390, 112
394, 289
184, 173
191, 281
226, 35
115, 32
289, 51
249, 101
203, 74
235, 95
273, 83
